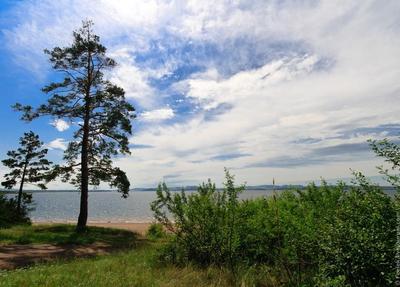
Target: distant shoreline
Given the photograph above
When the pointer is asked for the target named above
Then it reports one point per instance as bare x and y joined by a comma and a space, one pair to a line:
150, 189
178, 189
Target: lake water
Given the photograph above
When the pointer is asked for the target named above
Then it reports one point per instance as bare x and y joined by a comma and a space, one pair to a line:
62, 206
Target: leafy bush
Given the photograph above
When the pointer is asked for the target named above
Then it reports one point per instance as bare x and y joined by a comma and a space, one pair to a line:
205, 223
284, 230
319, 236
156, 231
359, 243
9, 214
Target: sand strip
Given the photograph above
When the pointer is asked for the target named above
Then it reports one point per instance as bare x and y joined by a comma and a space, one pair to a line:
138, 227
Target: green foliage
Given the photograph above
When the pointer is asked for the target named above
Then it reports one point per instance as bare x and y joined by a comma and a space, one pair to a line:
134, 268
391, 152
283, 231
28, 162
66, 234
99, 109
85, 96
359, 243
205, 223
28, 166
319, 236
9, 213
156, 231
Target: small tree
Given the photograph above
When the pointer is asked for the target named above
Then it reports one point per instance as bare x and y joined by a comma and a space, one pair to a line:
98, 108
9, 215
391, 152
28, 166
205, 223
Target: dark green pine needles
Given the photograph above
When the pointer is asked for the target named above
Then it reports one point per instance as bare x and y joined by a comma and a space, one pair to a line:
28, 166
98, 110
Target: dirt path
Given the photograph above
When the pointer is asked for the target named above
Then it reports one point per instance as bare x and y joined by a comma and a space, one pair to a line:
16, 255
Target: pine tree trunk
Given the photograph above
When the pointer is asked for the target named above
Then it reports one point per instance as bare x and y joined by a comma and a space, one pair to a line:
21, 186
83, 213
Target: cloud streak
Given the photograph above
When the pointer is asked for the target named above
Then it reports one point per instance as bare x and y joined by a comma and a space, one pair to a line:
58, 143
267, 87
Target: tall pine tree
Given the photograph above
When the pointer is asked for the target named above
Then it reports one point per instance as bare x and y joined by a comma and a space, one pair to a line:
98, 108
28, 166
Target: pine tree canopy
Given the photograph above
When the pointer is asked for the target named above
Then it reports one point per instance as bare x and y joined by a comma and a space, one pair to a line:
96, 107
28, 163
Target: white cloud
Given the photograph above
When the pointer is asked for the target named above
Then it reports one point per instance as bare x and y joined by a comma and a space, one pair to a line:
134, 82
157, 115
58, 143
247, 84
343, 75
60, 125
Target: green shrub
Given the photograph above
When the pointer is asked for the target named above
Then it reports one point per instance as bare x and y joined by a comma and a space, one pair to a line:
156, 231
205, 223
318, 236
359, 242
284, 230
9, 214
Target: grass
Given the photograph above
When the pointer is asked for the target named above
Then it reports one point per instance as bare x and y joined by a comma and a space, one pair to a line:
134, 266
65, 234
138, 267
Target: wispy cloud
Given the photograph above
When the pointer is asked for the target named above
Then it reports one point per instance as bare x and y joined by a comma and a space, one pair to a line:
318, 156
140, 146
287, 84
229, 156
58, 143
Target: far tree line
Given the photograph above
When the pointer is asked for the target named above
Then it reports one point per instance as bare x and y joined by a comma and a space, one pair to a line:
103, 118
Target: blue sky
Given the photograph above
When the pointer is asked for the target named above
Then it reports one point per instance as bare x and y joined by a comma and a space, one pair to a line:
289, 90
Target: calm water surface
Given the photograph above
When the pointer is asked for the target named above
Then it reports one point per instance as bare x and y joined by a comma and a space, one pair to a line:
103, 206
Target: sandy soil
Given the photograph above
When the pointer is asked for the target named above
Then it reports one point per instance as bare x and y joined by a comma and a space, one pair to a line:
138, 227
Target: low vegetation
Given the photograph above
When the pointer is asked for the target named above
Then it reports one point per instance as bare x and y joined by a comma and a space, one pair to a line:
10, 214
321, 236
156, 231
132, 268
65, 234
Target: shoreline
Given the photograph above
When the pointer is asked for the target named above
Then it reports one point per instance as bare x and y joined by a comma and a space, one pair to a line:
101, 221
139, 227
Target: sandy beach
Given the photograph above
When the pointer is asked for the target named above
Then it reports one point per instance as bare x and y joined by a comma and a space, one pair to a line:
138, 227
